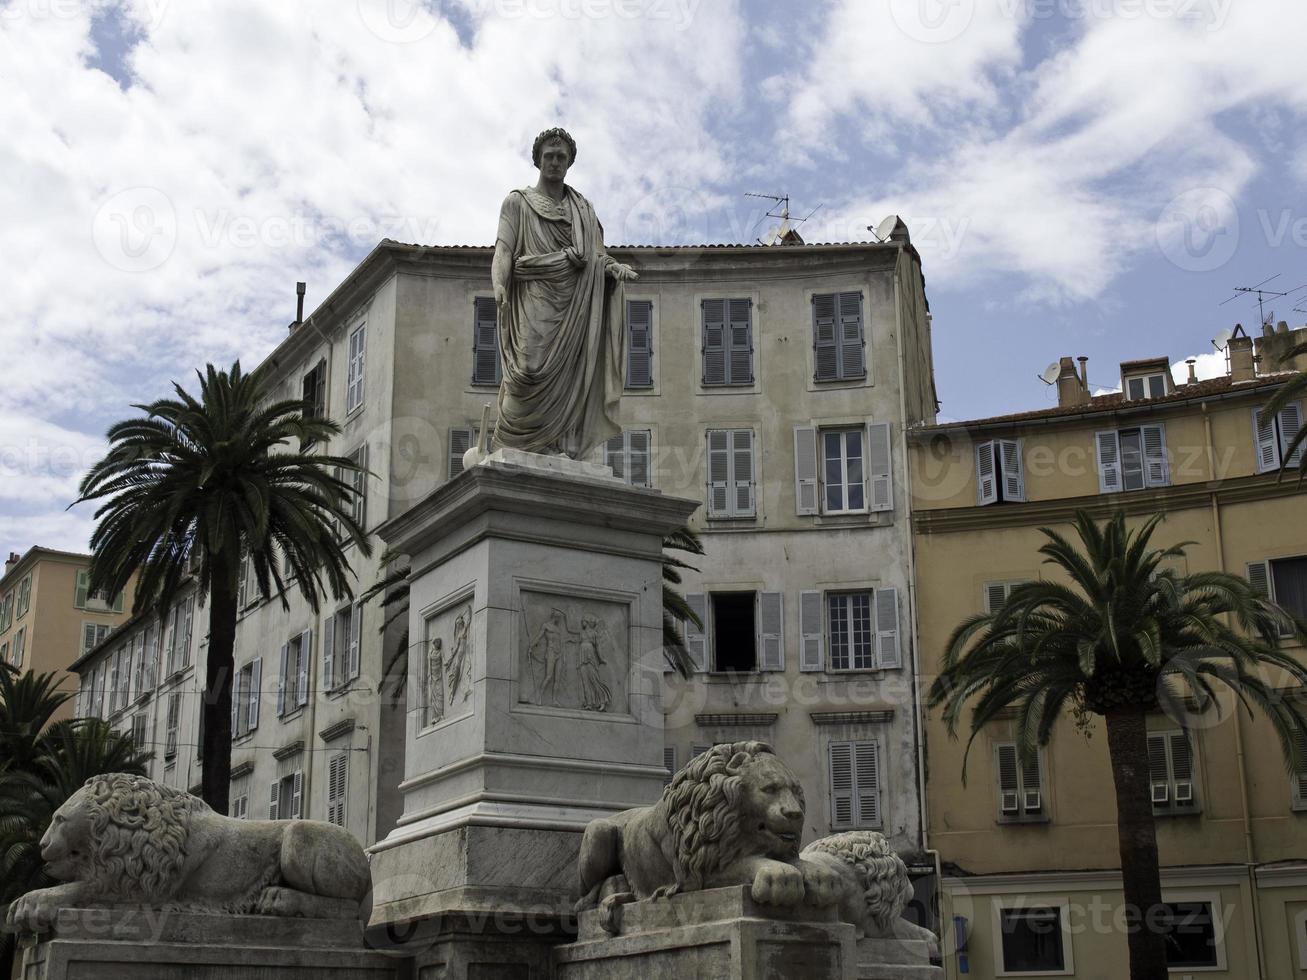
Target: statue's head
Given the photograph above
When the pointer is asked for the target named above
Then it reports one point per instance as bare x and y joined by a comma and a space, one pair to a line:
554, 149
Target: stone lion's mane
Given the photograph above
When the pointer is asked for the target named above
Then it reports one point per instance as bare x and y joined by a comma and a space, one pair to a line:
878, 870
139, 831
703, 811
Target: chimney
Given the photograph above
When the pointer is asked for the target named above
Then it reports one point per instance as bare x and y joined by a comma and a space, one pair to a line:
1070, 389
1193, 370
12, 561
299, 302
1084, 372
1241, 356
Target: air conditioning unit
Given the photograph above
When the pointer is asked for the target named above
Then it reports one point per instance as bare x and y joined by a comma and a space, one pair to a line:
1161, 793
1009, 804
1033, 801
1184, 792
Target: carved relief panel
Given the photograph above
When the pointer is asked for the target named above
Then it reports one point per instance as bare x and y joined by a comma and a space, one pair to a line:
447, 669
574, 652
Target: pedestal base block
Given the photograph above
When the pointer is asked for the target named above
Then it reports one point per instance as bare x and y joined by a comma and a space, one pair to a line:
895, 959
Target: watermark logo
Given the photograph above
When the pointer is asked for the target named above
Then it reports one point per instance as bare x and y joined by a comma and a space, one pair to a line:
1198, 231
135, 230
932, 21
397, 21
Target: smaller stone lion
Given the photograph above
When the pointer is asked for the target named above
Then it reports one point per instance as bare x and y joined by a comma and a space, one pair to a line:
731, 816
874, 885
126, 840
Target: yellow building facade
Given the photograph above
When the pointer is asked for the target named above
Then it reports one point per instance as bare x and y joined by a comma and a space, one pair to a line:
1031, 883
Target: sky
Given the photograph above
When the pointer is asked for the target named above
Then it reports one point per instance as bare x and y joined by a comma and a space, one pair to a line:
1081, 177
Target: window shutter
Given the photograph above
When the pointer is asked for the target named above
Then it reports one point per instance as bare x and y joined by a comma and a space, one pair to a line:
841, 785
170, 735
256, 693
170, 639
1014, 479
1182, 770
460, 441
1009, 790
986, 479
719, 472
771, 616
360, 482
281, 679
188, 616
88, 637
355, 639
696, 640
852, 360
329, 652
639, 455
714, 341
742, 502
81, 589
1290, 421
669, 763
1156, 468
1109, 461
615, 455
297, 795
639, 343
805, 469
151, 657
336, 782
996, 594
305, 658
879, 473
237, 701
1158, 775
811, 633
1268, 447
274, 802
1031, 784
824, 344
1300, 774
486, 366
1259, 577
866, 759
887, 628
740, 366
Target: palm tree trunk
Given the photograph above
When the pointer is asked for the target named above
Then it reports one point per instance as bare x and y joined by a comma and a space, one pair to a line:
1127, 743
216, 748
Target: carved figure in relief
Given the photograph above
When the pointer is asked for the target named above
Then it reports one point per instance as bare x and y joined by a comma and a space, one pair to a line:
595, 693
435, 681
460, 664
546, 652
127, 841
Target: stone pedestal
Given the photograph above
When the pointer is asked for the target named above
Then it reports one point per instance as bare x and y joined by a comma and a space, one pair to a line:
535, 632
894, 959
125, 944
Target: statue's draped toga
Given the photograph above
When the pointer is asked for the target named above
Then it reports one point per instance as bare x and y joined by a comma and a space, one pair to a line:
560, 331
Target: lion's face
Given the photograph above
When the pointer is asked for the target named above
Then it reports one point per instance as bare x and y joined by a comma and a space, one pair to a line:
771, 807
67, 844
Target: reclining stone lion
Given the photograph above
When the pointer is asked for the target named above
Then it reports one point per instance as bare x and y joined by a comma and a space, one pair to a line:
125, 840
731, 816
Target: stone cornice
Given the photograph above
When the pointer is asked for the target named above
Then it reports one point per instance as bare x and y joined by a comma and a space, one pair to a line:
288, 750
881, 717
342, 727
756, 719
244, 769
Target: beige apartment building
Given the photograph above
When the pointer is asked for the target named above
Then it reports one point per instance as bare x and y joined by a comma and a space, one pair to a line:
1030, 857
773, 384
48, 615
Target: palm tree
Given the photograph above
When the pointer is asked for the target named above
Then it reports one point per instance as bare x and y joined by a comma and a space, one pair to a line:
28, 702
206, 484
393, 589
1295, 389
1126, 637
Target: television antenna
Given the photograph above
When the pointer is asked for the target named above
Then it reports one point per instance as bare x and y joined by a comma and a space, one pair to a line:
1262, 295
781, 204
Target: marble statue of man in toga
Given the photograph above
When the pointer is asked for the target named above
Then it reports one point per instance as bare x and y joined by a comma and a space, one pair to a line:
559, 296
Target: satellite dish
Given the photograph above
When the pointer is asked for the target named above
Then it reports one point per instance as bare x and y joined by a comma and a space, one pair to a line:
1050, 373
1222, 339
886, 229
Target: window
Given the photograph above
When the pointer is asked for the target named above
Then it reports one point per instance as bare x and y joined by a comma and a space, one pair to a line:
139, 731
25, 595
97, 601
1145, 386
337, 787
177, 635
997, 593
92, 635
837, 340
1132, 459
293, 677
727, 341
730, 473
1191, 940
487, 369
460, 441
245, 698
669, 763
1171, 773
240, 801
1020, 787
861, 629
7, 612
1298, 781
287, 799
170, 731
1032, 940
854, 785
150, 667
20, 647
341, 633
743, 631
844, 470
639, 343
629, 456
354, 375
314, 391
999, 472
1284, 582
1273, 436
357, 479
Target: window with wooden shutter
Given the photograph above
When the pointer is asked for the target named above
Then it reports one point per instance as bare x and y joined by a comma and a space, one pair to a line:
805, 470
696, 638
866, 774
283, 689
1013, 475
844, 473
1288, 424
841, 786
354, 372
714, 341
461, 439
742, 472
628, 454
880, 476
730, 473
1299, 778
837, 337
297, 795
639, 343
825, 341
354, 654
1171, 773
771, 628
1000, 472
305, 645
888, 654
1020, 783
170, 729
1157, 470
81, 591
1273, 436
811, 632
255, 694
329, 671
337, 788
274, 801
851, 632
1109, 461
487, 369
855, 790
995, 594
187, 620
358, 480
986, 477
727, 341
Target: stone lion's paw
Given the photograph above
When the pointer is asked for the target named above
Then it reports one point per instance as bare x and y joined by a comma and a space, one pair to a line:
274, 901
778, 884
34, 912
821, 885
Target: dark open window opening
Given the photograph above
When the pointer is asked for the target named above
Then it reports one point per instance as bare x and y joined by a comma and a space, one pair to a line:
734, 642
1190, 935
1290, 577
